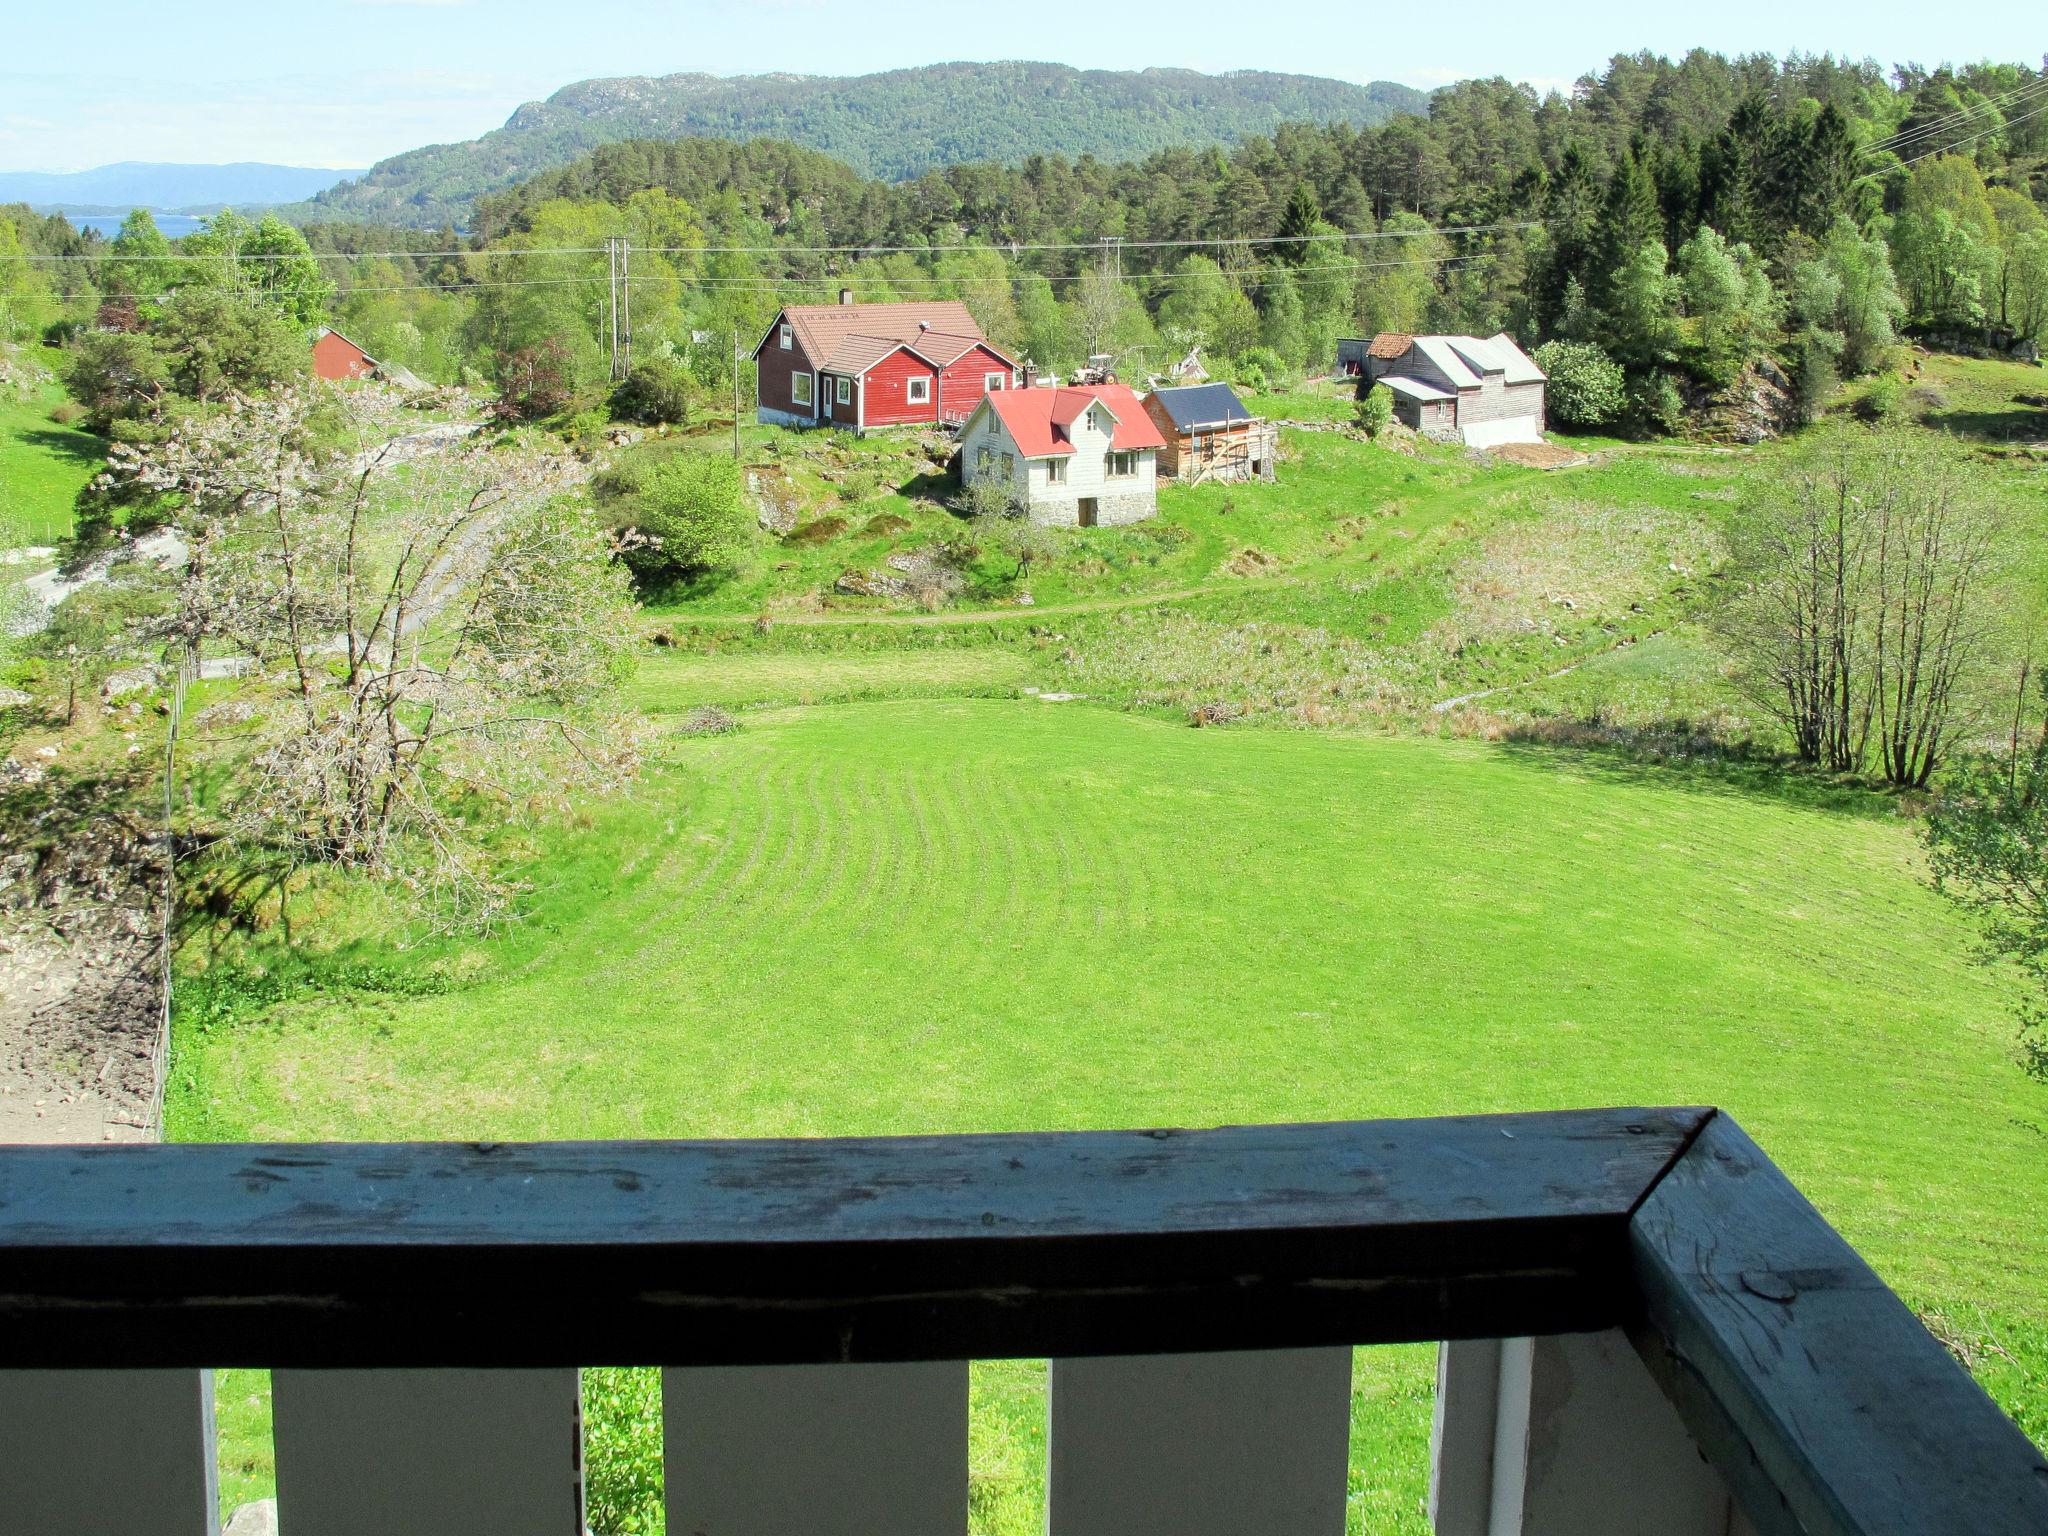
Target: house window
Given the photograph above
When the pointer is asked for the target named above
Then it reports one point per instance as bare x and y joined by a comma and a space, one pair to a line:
787, 339
800, 388
1122, 465
984, 457
920, 391
843, 392
1055, 471
1009, 466
994, 381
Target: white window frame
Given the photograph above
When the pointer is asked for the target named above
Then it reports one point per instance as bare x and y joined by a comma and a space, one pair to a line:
1130, 459
786, 339
1055, 471
800, 391
842, 390
919, 390
991, 382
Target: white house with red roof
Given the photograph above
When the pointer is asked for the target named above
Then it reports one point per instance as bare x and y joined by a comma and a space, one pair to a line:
875, 365
1080, 455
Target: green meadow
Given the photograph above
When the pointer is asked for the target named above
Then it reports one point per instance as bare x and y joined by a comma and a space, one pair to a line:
947, 914
43, 465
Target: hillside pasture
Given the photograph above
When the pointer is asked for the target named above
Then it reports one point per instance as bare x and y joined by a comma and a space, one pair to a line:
1002, 914
43, 466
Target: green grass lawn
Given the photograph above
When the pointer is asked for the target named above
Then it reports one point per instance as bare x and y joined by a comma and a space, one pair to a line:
42, 468
963, 915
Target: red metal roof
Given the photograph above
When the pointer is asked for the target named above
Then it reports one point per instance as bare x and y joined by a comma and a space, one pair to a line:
1038, 420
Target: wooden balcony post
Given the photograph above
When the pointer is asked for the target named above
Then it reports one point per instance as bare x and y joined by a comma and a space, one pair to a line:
87, 1452
1566, 1436
828, 1450
428, 1452
1200, 1445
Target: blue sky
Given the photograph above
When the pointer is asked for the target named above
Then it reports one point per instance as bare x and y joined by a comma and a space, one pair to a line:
346, 82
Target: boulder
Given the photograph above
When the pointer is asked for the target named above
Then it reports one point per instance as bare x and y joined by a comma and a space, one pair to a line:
258, 1519
13, 698
129, 680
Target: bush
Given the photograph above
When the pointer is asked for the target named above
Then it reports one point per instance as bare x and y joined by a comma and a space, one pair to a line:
67, 412
1885, 398
654, 394
689, 515
859, 484
1655, 405
988, 498
622, 1450
534, 382
1261, 368
1376, 410
707, 720
1587, 387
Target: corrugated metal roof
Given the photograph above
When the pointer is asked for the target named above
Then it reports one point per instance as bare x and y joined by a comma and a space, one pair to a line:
1414, 389
1439, 351
1201, 405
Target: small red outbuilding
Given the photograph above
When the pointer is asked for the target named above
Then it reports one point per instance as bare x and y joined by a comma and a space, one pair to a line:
337, 358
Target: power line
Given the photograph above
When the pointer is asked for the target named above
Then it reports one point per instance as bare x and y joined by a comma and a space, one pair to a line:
767, 282
1946, 149
1914, 136
1013, 247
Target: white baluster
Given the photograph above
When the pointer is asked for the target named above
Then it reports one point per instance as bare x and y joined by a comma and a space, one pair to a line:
821, 1450
428, 1452
107, 1453
1200, 1445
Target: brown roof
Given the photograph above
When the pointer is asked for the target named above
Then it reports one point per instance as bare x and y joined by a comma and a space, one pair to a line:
822, 329
1390, 344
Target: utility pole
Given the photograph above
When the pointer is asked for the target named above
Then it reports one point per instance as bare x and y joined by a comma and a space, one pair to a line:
625, 305
735, 395
618, 250
611, 256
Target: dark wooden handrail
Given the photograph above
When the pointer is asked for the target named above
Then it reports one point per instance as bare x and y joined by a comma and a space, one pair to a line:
1825, 1404
787, 1252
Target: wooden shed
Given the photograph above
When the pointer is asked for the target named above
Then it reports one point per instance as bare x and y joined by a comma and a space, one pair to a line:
1211, 435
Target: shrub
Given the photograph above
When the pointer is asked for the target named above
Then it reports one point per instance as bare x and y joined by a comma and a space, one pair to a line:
859, 484
885, 524
622, 1450
1885, 398
116, 377
654, 394
1655, 405
1587, 387
66, 412
690, 516
1376, 410
987, 499
707, 720
534, 382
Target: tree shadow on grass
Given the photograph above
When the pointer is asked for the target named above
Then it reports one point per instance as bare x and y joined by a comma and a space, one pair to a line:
2017, 424
67, 445
1669, 755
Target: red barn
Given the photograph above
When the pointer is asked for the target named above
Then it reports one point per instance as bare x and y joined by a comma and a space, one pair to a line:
337, 358
875, 365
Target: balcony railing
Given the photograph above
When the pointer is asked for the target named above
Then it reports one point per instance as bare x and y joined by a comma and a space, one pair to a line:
1650, 1332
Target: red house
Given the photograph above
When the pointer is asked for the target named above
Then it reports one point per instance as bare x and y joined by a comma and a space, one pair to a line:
338, 359
875, 365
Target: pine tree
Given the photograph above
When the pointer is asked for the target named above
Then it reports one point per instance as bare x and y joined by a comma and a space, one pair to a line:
1298, 225
1630, 218
1571, 210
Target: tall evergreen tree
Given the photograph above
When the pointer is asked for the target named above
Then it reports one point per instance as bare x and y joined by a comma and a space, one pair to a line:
1298, 225
1629, 219
1571, 212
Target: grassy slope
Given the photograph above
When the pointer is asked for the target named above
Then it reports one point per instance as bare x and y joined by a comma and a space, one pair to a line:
42, 467
1005, 914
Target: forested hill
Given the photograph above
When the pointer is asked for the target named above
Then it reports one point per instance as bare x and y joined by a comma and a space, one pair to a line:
894, 126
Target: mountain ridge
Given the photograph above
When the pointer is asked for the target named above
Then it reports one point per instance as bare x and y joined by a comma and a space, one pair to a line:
168, 186
894, 124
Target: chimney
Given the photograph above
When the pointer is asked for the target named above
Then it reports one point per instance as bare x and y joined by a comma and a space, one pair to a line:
1030, 374
846, 296
924, 325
